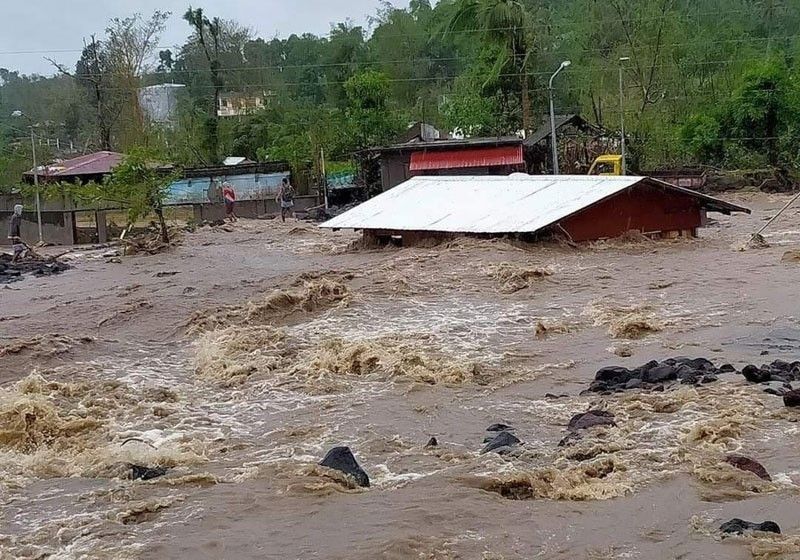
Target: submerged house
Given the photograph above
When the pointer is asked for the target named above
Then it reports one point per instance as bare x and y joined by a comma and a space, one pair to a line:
578, 207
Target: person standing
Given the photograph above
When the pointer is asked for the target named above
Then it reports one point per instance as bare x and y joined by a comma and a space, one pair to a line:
15, 233
229, 195
285, 198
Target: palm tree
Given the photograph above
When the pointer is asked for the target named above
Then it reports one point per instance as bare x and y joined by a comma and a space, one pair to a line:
505, 25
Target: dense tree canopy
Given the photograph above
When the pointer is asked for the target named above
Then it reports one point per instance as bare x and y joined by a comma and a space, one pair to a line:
705, 81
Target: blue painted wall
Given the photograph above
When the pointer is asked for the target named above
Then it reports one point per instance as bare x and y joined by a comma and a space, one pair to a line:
257, 186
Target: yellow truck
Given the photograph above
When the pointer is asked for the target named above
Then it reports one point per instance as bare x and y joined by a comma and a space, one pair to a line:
609, 164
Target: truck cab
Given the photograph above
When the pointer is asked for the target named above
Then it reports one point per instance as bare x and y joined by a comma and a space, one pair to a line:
607, 165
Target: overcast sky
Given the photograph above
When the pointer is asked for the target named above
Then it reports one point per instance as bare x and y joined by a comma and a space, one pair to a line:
61, 25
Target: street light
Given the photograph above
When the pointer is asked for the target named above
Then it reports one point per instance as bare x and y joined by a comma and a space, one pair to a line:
553, 117
18, 114
622, 62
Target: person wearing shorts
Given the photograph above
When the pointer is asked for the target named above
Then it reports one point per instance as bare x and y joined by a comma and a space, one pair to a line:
15, 234
286, 198
229, 195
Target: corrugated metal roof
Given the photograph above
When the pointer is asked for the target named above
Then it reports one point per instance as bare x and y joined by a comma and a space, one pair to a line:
97, 163
494, 204
464, 158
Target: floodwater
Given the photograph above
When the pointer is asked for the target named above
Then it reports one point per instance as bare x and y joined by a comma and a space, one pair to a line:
240, 357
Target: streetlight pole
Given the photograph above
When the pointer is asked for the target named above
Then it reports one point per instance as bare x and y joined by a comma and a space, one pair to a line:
553, 142
35, 173
622, 61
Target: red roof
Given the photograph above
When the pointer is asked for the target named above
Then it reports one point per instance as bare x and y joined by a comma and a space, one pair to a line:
98, 163
472, 157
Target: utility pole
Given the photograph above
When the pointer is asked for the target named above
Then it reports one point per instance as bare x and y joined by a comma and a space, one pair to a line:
35, 172
553, 142
622, 62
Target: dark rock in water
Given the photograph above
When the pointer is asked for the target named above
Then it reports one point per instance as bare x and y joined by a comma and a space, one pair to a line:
342, 460
634, 383
499, 428
747, 464
709, 379
138, 472
764, 352
614, 375
554, 396
701, 364
658, 389
591, 419
726, 368
501, 440
660, 374
433, 442
756, 375
570, 439
777, 388
738, 526
792, 398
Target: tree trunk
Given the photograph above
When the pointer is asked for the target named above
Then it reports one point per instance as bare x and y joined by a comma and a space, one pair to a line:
163, 224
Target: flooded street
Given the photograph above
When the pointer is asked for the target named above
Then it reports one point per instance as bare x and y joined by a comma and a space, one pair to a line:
238, 359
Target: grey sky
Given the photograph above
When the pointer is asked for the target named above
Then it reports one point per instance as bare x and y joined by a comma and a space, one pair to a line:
59, 25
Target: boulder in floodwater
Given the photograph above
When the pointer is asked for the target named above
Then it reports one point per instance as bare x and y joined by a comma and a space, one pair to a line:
738, 526
792, 398
501, 443
747, 464
499, 428
341, 459
590, 419
433, 442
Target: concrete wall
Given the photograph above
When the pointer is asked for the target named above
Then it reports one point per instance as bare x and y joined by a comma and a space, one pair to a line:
249, 208
57, 228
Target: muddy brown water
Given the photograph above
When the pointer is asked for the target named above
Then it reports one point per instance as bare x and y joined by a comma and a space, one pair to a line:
98, 370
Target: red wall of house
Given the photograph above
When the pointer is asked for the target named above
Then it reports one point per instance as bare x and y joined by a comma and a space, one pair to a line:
643, 208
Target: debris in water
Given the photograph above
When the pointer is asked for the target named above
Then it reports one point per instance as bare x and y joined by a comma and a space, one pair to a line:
433, 442
738, 526
138, 472
341, 459
515, 278
35, 265
747, 464
791, 256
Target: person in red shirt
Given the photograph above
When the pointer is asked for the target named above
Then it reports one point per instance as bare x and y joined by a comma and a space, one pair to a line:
229, 195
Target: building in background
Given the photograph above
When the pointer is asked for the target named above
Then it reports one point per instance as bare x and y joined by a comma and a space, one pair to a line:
82, 169
159, 103
233, 104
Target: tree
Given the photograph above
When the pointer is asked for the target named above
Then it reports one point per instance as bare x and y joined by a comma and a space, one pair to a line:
371, 117
763, 109
505, 24
131, 42
138, 185
207, 33
93, 72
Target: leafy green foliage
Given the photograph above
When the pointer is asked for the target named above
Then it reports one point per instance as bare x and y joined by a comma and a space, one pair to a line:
137, 184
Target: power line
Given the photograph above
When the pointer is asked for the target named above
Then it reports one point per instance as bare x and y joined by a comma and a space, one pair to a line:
427, 33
